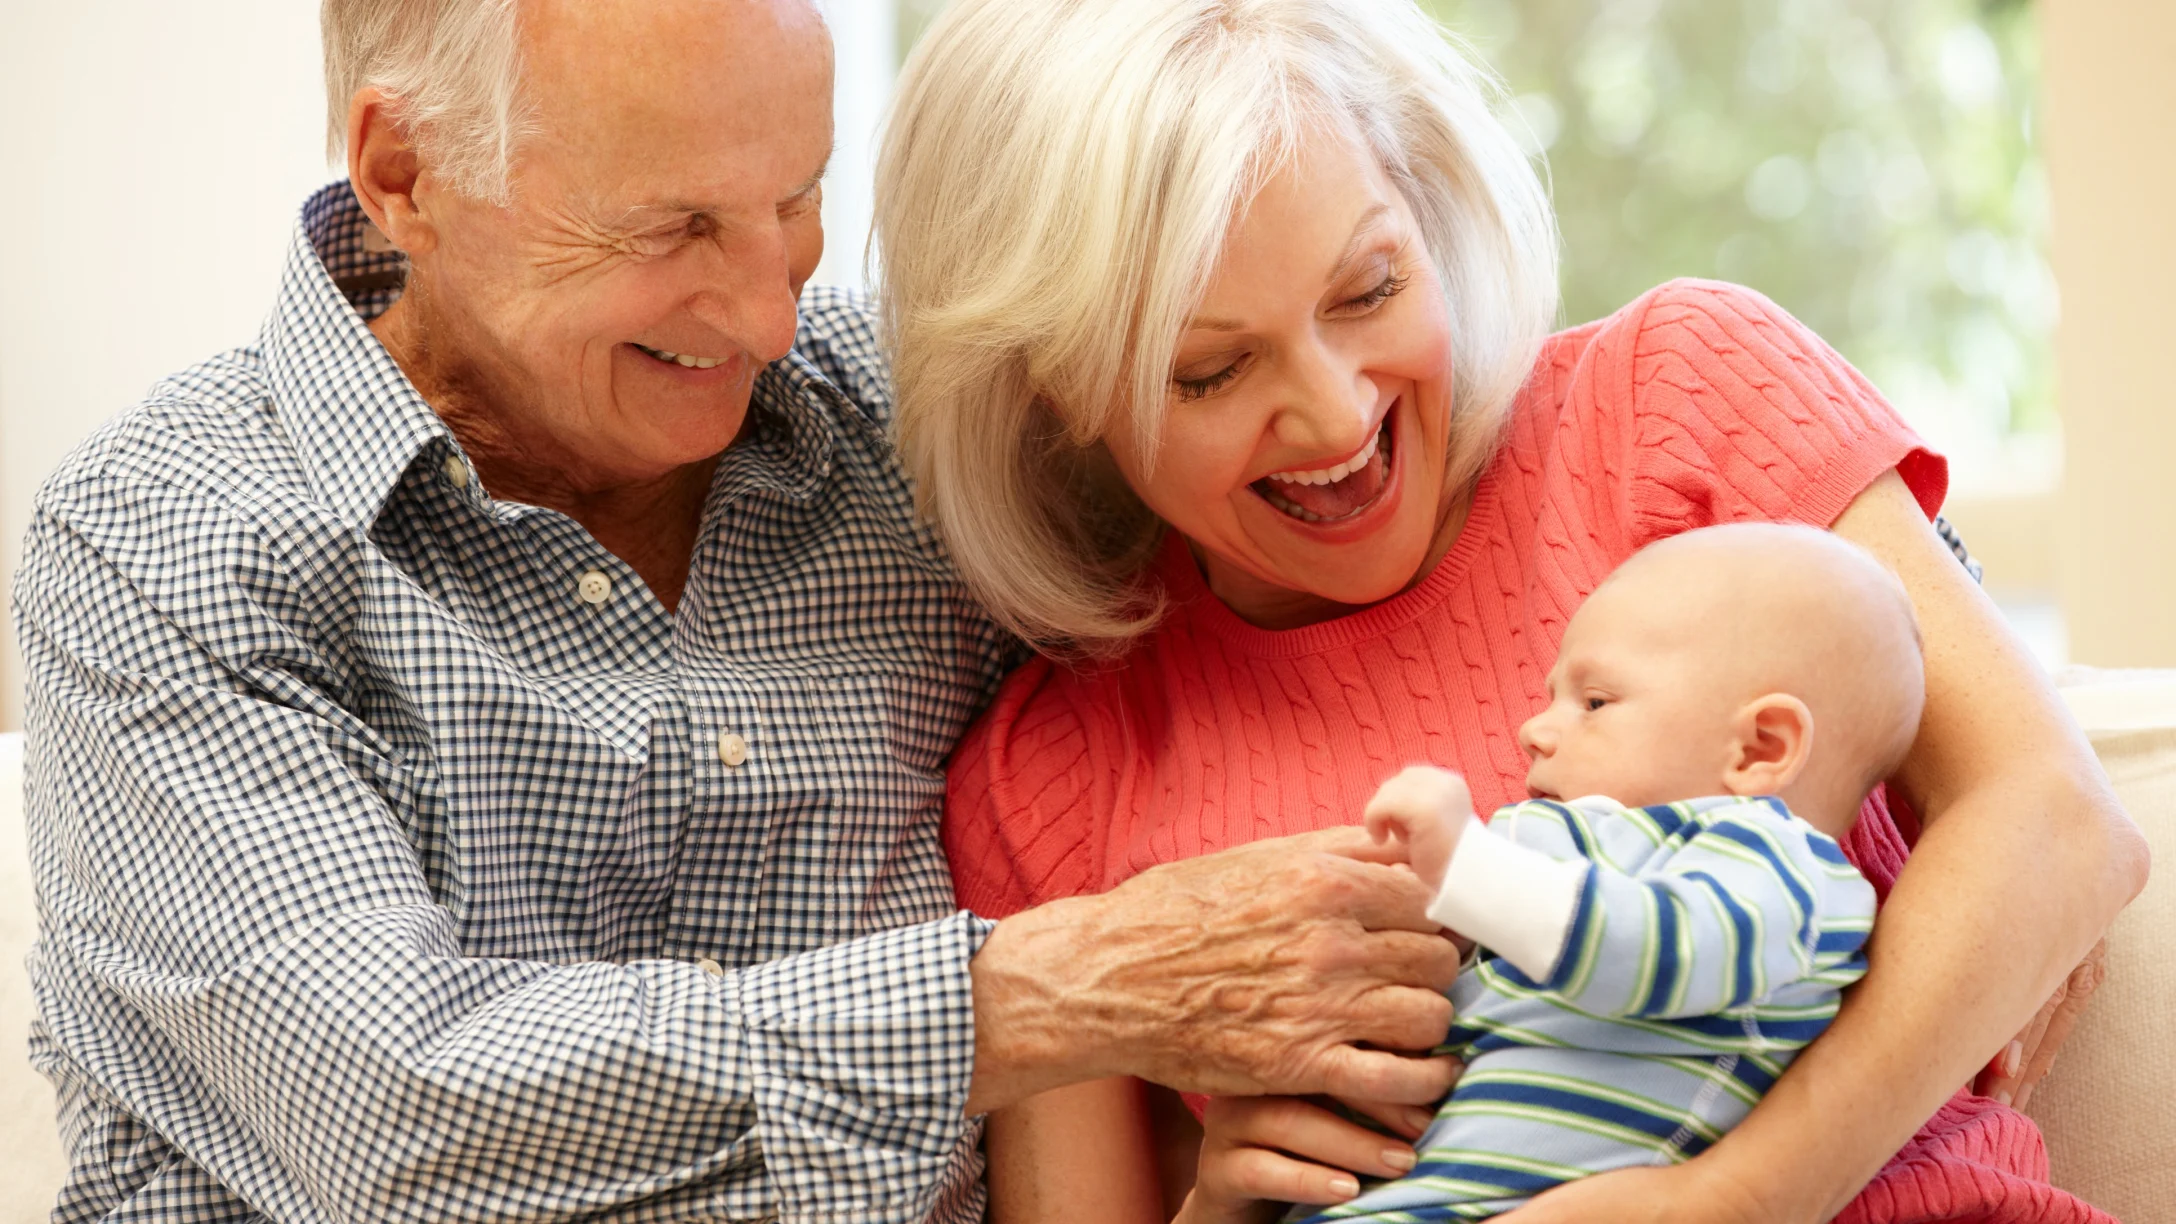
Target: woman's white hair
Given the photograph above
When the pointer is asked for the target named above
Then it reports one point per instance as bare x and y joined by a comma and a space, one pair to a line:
1056, 182
453, 68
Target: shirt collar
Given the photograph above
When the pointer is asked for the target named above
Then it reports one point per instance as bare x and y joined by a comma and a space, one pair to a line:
357, 424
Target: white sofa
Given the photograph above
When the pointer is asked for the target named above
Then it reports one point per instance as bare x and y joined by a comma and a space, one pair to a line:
2108, 1108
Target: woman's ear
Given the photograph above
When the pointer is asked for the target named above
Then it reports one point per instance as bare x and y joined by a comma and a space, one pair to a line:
383, 170
1775, 739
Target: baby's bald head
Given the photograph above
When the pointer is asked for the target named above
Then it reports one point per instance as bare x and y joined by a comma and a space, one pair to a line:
1734, 615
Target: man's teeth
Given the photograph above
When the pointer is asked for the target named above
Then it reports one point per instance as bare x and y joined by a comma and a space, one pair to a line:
1332, 475
682, 359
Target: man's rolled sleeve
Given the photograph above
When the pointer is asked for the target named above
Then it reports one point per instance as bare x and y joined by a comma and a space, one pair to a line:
862, 1056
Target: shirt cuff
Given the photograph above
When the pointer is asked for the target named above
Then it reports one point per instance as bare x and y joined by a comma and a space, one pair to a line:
861, 1056
1514, 899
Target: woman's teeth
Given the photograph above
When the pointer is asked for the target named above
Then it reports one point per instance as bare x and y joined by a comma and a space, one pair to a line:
1333, 494
1300, 513
1332, 475
682, 359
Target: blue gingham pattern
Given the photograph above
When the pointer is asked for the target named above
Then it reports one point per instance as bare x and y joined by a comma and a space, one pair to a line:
383, 877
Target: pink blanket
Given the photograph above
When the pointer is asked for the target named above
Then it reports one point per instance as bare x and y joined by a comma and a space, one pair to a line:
1975, 1161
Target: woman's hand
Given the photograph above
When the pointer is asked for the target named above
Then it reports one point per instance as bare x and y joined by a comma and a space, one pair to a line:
1260, 1153
2016, 1071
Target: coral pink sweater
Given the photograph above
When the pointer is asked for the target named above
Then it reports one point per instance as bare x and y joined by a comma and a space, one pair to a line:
1698, 404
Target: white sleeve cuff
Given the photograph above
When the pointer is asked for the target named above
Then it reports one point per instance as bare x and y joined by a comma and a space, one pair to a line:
1513, 899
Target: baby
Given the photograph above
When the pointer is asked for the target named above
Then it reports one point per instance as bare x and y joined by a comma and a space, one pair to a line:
1669, 919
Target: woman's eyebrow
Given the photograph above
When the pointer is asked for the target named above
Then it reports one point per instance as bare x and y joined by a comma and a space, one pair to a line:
1360, 232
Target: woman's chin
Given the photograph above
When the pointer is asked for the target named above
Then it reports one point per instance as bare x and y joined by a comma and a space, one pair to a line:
1355, 563
1351, 575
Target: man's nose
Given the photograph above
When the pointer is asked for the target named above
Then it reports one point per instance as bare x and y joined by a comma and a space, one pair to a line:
749, 296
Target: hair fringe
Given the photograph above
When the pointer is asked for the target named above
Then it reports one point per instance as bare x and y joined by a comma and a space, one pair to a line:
1055, 183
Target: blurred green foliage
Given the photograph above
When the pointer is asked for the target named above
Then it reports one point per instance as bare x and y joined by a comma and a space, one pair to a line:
1869, 164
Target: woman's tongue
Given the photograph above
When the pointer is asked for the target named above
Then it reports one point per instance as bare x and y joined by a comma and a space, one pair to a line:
1330, 501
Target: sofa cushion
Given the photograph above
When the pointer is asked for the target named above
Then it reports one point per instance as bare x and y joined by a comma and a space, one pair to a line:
2108, 1108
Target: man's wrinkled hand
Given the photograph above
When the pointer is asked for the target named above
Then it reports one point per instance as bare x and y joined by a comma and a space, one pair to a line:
1294, 966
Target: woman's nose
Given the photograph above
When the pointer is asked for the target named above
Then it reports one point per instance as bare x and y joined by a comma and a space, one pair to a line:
1329, 403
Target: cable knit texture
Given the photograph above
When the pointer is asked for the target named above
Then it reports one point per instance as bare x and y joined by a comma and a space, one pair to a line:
1698, 404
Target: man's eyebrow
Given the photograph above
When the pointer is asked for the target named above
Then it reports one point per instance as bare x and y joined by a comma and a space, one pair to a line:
639, 215
1360, 231
812, 182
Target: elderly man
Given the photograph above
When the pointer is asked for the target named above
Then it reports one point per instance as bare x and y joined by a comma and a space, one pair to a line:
487, 737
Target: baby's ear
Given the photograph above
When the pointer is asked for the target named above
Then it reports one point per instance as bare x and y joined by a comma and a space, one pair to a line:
1775, 739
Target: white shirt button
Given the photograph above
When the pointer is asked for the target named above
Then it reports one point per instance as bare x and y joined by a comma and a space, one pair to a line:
732, 749
456, 472
594, 588
710, 967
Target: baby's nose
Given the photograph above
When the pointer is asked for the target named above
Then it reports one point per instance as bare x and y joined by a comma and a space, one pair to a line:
1534, 736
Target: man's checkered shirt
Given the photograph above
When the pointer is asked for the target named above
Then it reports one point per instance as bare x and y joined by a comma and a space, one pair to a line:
399, 857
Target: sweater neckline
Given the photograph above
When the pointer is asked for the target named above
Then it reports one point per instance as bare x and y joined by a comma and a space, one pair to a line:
1190, 592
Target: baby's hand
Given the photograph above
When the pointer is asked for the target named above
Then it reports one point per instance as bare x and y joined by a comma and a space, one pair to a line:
1426, 808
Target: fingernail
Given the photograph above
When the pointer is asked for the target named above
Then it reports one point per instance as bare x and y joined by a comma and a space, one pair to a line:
2002, 1096
2013, 1058
1401, 1159
1343, 1186
1418, 1119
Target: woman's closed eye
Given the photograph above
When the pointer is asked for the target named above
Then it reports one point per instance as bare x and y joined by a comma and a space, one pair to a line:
1193, 386
1390, 287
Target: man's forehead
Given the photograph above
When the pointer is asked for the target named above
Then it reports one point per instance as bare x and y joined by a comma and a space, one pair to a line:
646, 111
696, 72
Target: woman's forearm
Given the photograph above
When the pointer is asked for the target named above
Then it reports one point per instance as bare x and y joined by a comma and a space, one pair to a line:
2024, 859
1080, 1153
2004, 895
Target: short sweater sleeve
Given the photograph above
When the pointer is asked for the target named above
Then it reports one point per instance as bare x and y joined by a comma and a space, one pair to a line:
1023, 821
1741, 412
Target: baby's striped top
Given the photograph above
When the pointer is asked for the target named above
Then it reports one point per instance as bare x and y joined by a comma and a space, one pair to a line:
1707, 942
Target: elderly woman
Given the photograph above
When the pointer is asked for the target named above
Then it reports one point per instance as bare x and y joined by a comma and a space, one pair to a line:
1223, 365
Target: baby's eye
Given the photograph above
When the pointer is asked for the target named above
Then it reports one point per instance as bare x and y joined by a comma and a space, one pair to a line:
1596, 703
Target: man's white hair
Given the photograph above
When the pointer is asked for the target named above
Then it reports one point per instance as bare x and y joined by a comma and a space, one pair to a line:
1056, 184
453, 68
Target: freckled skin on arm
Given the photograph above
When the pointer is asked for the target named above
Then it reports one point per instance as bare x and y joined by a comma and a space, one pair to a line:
1085, 1153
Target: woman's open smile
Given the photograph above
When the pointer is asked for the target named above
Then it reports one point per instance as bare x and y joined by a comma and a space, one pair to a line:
1341, 492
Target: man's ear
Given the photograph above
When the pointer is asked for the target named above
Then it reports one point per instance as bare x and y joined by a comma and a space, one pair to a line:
1775, 739
384, 170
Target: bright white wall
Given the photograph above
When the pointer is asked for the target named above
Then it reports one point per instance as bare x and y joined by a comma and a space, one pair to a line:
2110, 131
866, 36
156, 153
